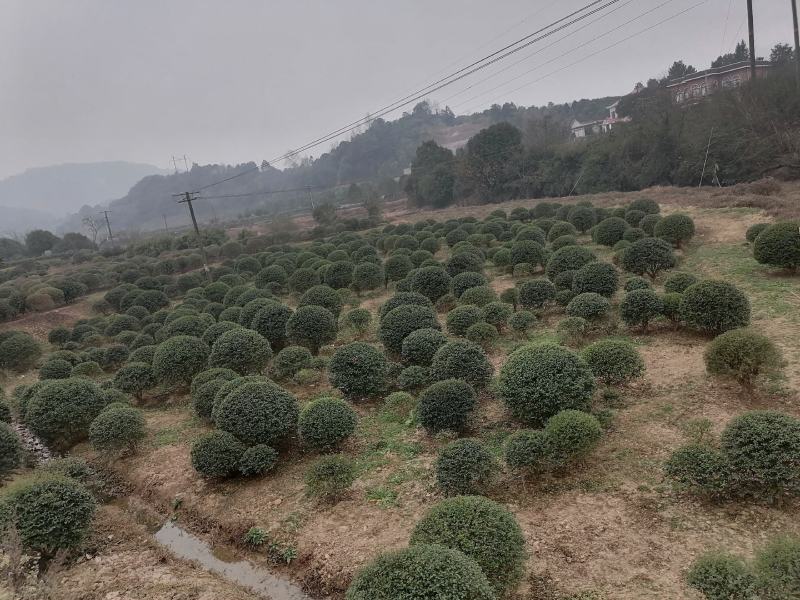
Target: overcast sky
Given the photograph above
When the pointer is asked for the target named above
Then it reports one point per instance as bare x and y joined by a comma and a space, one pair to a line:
238, 80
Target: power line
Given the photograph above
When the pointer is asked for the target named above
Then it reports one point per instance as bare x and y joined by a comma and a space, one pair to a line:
459, 75
585, 58
478, 65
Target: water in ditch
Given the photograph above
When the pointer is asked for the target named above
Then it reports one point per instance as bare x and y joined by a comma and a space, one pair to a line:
184, 545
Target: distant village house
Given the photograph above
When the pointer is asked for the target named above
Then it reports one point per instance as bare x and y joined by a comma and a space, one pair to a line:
582, 130
693, 88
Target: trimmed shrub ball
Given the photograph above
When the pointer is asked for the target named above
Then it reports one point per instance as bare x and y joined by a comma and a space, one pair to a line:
463, 281
777, 567
311, 326
18, 351
461, 318
258, 413
540, 380
633, 217
462, 359
497, 314
464, 262
217, 454
536, 293
464, 467
598, 277
49, 513
569, 258
478, 296
648, 256
609, 231
779, 246
258, 460
446, 405
763, 450
330, 477
677, 229
55, 368
210, 375
358, 320
582, 217
270, 321
135, 378
401, 298
714, 306
646, 205
61, 410
639, 307
528, 451
325, 296
419, 346
700, 469
203, 398
327, 422
563, 242
678, 282
522, 321
241, 350
754, 230
571, 435
532, 232
483, 530
483, 334
648, 223
179, 359
528, 252
414, 377
10, 449
560, 228
397, 267
743, 355
117, 429
340, 274
637, 283
722, 576
614, 361
431, 282
421, 571
358, 370
589, 306
401, 321
633, 234
289, 361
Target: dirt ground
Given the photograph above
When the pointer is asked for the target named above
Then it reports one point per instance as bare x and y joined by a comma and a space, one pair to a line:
612, 525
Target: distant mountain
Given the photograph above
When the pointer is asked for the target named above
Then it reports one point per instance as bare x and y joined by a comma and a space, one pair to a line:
378, 155
17, 221
62, 189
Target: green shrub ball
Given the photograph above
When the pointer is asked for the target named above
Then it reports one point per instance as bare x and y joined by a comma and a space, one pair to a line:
742, 354
461, 318
639, 307
614, 361
589, 306
539, 380
311, 326
325, 423
779, 246
241, 350
401, 321
571, 434
536, 293
648, 256
483, 530
714, 306
677, 229
609, 231
289, 361
117, 429
464, 467
763, 450
10, 449
462, 359
419, 346
217, 454
258, 413
598, 277
722, 576
49, 513
258, 460
446, 405
421, 572
179, 359
358, 370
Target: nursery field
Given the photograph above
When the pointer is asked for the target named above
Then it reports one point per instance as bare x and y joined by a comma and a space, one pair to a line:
593, 398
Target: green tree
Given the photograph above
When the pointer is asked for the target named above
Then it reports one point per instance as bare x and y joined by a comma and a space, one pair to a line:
40, 241
324, 214
781, 54
487, 161
680, 69
432, 176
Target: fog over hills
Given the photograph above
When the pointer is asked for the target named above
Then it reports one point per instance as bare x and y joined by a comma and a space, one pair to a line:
59, 190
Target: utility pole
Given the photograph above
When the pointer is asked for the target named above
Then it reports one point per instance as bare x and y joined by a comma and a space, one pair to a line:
705, 162
108, 225
752, 40
310, 196
188, 199
175, 164
185, 163
166, 228
796, 42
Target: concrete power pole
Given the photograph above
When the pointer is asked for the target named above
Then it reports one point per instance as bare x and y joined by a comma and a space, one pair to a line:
752, 40
188, 199
108, 226
796, 42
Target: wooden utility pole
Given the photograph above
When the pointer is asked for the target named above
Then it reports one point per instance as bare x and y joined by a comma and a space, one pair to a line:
310, 196
108, 225
166, 228
188, 199
705, 162
796, 42
752, 40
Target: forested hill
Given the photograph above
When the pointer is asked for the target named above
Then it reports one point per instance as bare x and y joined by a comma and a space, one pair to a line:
377, 155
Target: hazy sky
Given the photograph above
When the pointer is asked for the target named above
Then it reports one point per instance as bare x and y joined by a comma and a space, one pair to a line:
238, 80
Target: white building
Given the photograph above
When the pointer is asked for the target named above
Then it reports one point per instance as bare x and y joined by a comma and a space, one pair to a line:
581, 130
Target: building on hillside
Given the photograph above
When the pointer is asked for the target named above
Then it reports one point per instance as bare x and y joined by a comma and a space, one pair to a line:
582, 130
693, 88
